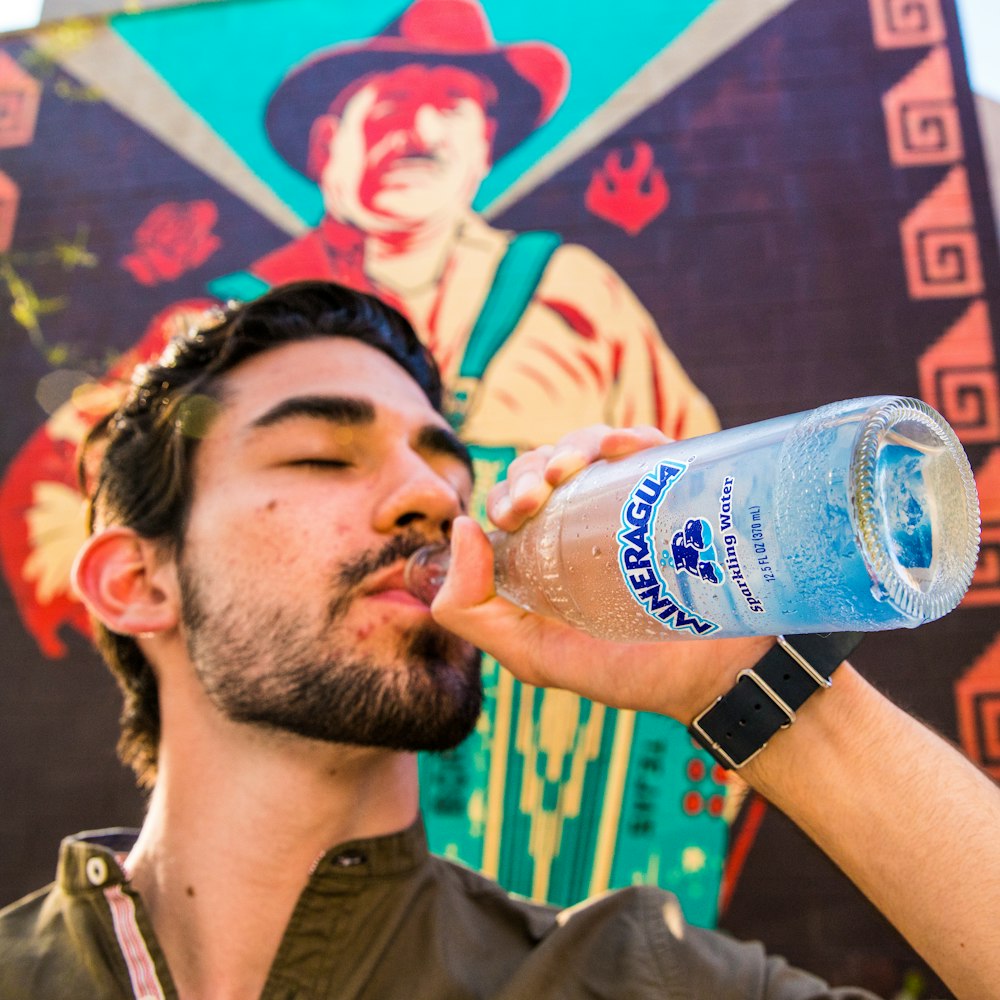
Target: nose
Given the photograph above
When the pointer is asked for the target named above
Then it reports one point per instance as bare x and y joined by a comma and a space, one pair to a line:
415, 495
427, 123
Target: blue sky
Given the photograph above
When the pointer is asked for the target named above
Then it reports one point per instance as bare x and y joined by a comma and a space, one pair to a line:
980, 29
981, 34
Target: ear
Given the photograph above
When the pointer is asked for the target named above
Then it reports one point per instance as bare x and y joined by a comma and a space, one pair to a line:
324, 128
126, 583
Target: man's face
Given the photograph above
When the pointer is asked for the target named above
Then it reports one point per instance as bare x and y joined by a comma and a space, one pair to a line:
326, 467
410, 145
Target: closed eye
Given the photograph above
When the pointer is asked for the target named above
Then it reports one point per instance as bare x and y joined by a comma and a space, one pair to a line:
320, 463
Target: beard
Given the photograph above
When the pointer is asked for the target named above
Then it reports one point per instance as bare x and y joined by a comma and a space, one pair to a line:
266, 665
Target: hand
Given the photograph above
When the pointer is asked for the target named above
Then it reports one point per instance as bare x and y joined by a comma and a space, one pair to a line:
677, 678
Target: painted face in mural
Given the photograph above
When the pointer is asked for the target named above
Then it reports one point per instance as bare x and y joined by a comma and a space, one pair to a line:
410, 147
294, 611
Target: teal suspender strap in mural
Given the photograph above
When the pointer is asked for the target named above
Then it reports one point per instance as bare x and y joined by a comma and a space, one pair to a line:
514, 283
241, 286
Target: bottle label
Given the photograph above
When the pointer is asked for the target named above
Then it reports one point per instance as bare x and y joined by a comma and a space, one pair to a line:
691, 551
733, 554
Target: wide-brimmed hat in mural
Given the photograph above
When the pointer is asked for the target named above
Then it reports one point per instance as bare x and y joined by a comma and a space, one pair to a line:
530, 77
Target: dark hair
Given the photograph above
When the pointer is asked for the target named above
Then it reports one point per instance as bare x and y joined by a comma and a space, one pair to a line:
141, 455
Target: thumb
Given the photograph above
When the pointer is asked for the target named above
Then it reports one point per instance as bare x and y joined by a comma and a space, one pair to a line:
469, 580
469, 606
467, 603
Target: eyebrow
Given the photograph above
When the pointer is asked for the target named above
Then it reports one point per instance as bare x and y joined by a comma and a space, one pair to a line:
444, 442
354, 412
343, 410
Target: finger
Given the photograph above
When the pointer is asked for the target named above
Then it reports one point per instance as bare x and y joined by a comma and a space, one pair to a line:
534, 459
512, 502
528, 493
574, 451
627, 440
523, 492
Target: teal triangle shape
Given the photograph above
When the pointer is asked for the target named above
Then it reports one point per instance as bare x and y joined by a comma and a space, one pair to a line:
224, 60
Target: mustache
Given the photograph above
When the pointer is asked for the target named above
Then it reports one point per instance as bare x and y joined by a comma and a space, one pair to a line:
401, 145
355, 572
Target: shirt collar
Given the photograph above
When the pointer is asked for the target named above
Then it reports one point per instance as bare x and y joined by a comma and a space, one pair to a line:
95, 859
393, 854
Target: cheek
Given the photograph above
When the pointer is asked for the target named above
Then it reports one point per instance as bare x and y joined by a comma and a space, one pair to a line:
290, 533
255, 534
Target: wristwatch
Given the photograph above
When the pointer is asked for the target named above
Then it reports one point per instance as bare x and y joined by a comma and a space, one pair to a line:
737, 726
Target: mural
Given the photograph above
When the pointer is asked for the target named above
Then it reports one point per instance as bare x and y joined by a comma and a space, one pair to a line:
729, 210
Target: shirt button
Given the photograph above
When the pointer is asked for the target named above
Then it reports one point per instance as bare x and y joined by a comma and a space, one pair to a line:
97, 870
350, 859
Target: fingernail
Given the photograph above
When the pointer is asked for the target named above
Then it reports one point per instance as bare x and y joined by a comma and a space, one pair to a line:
525, 485
501, 508
565, 461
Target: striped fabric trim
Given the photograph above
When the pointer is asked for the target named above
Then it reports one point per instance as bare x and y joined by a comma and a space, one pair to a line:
138, 961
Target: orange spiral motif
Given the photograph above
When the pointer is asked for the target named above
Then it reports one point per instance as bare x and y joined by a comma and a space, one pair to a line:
940, 245
977, 697
985, 588
958, 377
921, 117
903, 24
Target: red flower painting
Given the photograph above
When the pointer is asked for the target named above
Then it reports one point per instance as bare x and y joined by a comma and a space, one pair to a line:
174, 238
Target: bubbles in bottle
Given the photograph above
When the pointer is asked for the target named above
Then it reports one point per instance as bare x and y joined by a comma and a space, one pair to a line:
906, 508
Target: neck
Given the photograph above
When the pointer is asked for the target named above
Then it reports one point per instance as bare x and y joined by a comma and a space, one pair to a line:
412, 263
236, 823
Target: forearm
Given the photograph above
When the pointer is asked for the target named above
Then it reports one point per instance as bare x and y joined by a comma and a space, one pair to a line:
909, 819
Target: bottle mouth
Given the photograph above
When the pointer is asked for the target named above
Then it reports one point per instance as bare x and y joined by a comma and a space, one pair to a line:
425, 570
915, 507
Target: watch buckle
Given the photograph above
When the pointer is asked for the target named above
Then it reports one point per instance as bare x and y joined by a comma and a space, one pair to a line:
771, 695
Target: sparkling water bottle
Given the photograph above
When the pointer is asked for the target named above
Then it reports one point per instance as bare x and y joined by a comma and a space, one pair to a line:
857, 516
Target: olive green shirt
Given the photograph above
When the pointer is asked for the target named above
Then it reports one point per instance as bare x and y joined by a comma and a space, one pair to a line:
382, 918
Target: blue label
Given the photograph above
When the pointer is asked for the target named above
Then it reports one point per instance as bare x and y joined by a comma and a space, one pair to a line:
637, 552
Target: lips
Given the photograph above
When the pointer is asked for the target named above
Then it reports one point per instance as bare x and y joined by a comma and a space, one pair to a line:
390, 585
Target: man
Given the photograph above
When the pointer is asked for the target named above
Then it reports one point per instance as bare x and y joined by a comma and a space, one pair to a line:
256, 499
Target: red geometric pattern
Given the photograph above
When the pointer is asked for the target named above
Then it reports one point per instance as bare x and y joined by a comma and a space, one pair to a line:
977, 697
19, 96
905, 24
940, 245
921, 117
10, 196
985, 588
958, 377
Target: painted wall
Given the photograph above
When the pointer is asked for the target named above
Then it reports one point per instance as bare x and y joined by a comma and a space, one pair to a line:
726, 211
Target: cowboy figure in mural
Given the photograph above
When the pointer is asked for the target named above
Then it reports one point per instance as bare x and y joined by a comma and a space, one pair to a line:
398, 132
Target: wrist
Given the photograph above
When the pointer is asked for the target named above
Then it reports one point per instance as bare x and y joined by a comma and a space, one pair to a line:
766, 697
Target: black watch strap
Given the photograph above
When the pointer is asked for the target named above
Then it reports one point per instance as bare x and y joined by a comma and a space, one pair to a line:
766, 697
